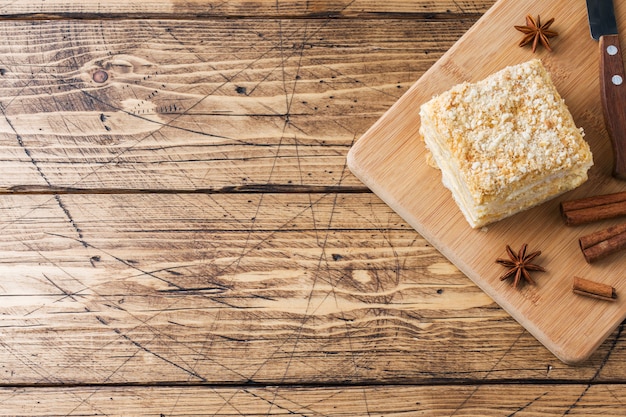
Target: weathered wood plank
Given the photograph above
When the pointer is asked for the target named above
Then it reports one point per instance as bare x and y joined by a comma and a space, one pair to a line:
210, 104
272, 289
452, 400
239, 8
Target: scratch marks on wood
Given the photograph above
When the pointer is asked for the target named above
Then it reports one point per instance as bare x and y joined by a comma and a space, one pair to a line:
601, 366
321, 272
527, 405
159, 356
174, 101
126, 262
34, 162
168, 270
101, 302
63, 291
67, 213
461, 406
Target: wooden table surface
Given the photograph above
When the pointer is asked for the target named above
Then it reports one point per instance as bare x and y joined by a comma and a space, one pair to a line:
180, 234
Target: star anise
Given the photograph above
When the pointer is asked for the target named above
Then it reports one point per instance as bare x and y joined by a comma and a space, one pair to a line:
537, 33
519, 265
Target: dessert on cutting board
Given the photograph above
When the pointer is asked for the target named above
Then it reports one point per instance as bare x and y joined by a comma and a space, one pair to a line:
505, 144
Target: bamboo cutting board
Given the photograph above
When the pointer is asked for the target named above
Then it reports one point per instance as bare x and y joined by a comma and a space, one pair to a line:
390, 159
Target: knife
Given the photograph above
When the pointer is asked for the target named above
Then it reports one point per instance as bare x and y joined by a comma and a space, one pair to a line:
603, 27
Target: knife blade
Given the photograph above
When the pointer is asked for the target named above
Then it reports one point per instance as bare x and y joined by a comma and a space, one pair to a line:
603, 27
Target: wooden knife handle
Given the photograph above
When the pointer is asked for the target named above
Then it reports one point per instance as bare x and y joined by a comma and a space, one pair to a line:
613, 87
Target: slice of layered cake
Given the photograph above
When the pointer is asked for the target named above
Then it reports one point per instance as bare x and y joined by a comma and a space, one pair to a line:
505, 144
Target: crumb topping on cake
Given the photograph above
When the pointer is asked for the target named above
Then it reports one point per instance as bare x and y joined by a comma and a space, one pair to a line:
510, 125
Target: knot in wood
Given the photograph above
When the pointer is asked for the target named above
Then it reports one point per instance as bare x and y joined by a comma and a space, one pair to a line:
100, 76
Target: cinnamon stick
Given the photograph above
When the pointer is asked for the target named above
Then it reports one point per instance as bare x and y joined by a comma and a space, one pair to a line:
591, 209
603, 243
593, 289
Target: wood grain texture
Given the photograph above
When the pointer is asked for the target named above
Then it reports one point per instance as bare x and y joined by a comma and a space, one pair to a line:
185, 238
195, 9
466, 400
216, 289
189, 105
550, 311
